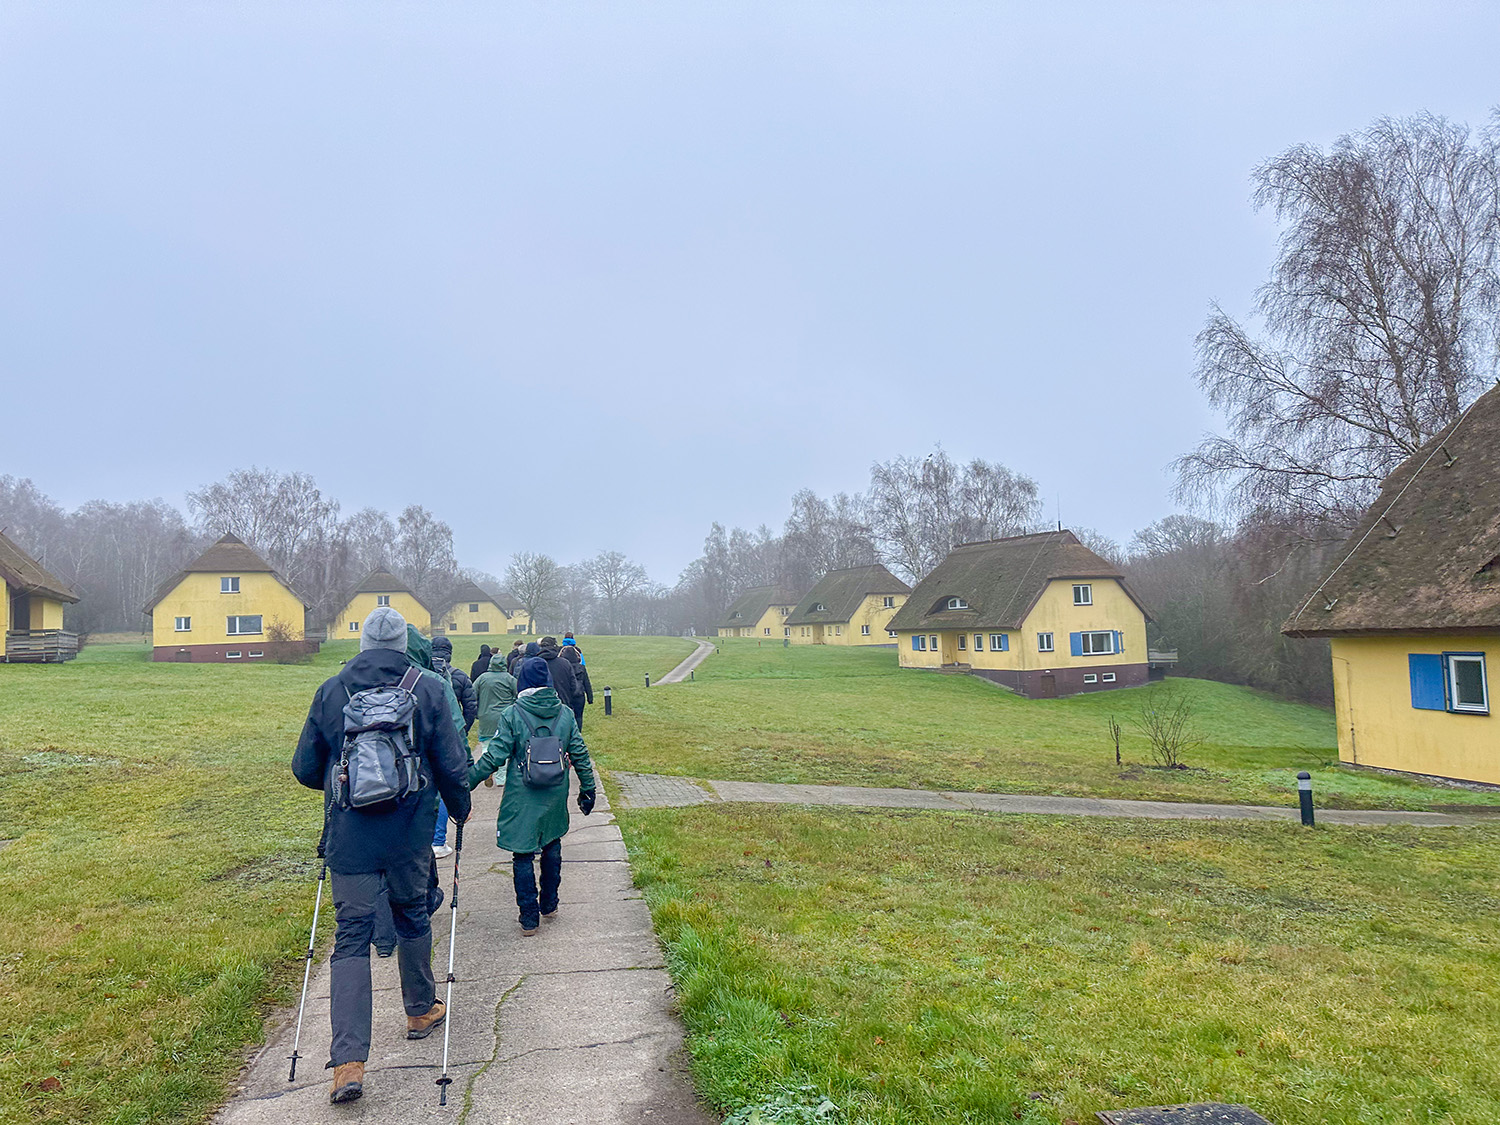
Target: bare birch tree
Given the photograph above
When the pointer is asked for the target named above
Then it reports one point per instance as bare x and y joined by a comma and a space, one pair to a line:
1380, 319
537, 583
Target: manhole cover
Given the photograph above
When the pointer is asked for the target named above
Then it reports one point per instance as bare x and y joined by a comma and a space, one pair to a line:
1201, 1113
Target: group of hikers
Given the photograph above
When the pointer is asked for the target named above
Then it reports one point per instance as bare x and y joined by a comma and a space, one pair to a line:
386, 740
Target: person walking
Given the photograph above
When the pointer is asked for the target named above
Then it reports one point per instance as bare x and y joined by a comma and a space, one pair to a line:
532, 822
574, 656
480, 666
563, 680
390, 842
497, 690
517, 650
437, 657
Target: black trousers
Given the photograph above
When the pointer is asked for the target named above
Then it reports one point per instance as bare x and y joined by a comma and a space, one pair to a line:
355, 898
524, 873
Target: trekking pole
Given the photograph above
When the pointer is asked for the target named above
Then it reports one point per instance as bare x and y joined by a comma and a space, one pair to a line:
307, 970
458, 850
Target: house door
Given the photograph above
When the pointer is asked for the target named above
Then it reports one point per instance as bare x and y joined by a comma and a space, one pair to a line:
1047, 686
950, 648
20, 613
817, 637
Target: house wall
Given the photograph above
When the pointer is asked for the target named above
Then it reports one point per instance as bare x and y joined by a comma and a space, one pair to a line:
4, 614
197, 596
770, 626
1378, 726
460, 621
871, 611
362, 605
46, 613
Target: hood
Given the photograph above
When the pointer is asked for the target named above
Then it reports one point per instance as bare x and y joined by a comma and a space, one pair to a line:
372, 668
418, 648
442, 646
542, 703
546, 652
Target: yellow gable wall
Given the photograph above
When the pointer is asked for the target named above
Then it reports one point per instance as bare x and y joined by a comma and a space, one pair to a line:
871, 611
1378, 726
1054, 613
771, 624
362, 605
461, 620
197, 596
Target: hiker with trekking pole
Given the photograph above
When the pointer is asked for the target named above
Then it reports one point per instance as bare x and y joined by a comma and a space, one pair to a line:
380, 742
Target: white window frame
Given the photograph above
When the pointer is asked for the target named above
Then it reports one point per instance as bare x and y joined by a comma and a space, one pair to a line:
1449, 659
786, 631
229, 584
235, 655
996, 644
354, 626
838, 630
768, 630
934, 641
864, 630
1088, 650
957, 603
1046, 642
382, 600
1107, 678
184, 625
254, 653
1091, 678
893, 634
1086, 590
978, 642
237, 631
889, 602
919, 642
963, 642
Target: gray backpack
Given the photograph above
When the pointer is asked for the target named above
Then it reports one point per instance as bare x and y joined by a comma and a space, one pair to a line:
379, 764
543, 763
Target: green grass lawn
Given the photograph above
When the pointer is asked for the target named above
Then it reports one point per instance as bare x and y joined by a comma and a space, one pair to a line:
159, 875
920, 967
821, 715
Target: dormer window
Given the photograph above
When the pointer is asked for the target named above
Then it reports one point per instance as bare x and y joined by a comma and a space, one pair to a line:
957, 603
819, 607
734, 616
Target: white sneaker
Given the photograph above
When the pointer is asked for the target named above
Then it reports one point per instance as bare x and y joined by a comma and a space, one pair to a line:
442, 851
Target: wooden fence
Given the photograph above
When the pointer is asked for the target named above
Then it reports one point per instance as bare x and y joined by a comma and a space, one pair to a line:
40, 646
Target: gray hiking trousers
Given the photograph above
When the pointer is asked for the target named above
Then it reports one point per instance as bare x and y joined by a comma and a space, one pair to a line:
354, 899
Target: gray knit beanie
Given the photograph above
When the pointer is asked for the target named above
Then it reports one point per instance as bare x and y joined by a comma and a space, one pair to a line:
384, 628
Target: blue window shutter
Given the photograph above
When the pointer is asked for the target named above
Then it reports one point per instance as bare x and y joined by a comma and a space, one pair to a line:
1004, 642
914, 643
1076, 641
1119, 641
1427, 690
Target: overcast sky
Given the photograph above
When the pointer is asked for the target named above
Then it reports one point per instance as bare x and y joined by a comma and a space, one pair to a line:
588, 276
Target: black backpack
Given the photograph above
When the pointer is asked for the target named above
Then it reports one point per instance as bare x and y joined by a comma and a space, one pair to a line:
543, 763
379, 763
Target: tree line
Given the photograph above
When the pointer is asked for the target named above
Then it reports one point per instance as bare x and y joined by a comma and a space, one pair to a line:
1379, 324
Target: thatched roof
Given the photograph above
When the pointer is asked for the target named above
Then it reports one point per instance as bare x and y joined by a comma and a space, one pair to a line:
229, 555
467, 591
1001, 580
382, 582
1427, 553
751, 606
840, 593
27, 576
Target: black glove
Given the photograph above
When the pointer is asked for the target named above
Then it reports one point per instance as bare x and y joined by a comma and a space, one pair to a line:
586, 801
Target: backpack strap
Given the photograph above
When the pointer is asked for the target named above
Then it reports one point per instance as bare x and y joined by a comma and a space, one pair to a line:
409, 681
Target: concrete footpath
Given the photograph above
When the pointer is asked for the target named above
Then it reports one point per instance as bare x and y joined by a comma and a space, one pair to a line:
646, 790
704, 650
572, 1026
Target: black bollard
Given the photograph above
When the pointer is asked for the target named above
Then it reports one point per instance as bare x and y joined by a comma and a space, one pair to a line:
692, 673
1304, 794
609, 703
648, 679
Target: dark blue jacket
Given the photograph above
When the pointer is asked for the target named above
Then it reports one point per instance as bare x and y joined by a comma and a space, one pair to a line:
357, 842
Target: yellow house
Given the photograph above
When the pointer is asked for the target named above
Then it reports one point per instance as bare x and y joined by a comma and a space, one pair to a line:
760, 611
1412, 611
472, 609
1041, 614
227, 605
853, 606
380, 588
33, 601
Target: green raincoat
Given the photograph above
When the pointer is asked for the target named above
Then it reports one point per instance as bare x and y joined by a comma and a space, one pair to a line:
530, 819
497, 691
419, 652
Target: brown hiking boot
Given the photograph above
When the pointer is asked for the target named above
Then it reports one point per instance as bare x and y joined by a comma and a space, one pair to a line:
348, 1082
420, 1027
